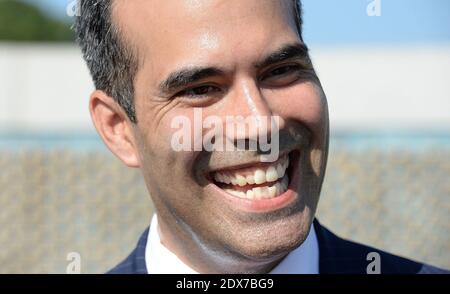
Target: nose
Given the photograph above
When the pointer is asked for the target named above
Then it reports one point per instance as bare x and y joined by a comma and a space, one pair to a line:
252, 115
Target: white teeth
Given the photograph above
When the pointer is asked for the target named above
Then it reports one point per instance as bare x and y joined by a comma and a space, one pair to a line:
251, 176
272, 192
260, 176
226, 179
280, 169
257, 193
284, 183
271, 174
241, 181
264, 192
250, 194
250, 179
278, 188
217, 177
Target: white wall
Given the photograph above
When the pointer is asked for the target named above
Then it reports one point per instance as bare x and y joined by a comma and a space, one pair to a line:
46, 87
43, 88
386, 87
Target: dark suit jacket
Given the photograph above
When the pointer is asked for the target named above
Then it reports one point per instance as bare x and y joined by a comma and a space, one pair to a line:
336, 256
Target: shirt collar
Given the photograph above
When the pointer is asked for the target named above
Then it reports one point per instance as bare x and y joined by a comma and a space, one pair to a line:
160, 260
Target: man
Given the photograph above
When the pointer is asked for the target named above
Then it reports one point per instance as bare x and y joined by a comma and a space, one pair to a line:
155, 63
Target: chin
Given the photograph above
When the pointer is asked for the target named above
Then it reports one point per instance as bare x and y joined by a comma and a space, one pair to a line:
273, 239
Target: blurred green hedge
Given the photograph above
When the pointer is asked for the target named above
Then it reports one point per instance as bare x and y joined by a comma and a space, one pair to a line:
20, 21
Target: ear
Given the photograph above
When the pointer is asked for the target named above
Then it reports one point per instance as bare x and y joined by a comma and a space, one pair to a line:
114, 126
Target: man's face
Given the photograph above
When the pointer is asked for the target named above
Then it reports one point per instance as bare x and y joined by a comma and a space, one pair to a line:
255, 67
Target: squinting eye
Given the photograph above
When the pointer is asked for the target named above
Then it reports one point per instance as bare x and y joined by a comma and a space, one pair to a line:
198, 91
281, 76
283, 70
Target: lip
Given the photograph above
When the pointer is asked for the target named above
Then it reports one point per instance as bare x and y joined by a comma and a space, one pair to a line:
267, 205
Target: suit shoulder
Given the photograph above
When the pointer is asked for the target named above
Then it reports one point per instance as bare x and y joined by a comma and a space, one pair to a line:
338, 255
134, 263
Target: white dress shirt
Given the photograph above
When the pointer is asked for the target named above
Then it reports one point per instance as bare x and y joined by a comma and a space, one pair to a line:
160, 260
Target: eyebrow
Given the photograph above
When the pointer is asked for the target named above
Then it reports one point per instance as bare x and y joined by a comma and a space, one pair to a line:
186, 76
286, 52
189, 75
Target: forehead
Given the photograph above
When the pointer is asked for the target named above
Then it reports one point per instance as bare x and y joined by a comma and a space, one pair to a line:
169, 33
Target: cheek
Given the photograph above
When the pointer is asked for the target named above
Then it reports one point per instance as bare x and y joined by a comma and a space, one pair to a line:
305, 103
161, 136
163, 165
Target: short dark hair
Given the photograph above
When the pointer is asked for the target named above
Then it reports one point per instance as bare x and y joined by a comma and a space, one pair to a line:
111, 60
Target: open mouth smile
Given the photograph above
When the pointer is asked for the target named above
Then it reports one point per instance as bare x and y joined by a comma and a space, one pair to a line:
257, 182
261, 186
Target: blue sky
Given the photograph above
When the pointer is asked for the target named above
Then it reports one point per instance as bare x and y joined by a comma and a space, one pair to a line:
340, 22
401, 21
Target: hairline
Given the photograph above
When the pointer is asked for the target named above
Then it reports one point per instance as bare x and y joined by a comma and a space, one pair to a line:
131, 52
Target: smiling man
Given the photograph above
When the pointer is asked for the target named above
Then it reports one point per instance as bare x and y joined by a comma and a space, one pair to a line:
219, 211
